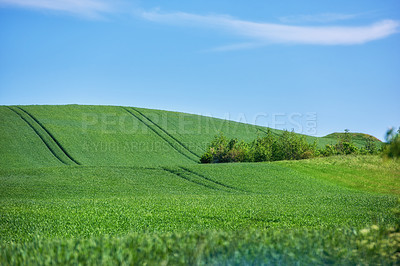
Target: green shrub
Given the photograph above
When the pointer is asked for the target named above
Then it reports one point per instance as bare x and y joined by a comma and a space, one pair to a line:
206, 157
345, 145
329, 150
288, 146
346, 148
392, 147
370, 146
291, 146
261, 148
218, 148
241, 152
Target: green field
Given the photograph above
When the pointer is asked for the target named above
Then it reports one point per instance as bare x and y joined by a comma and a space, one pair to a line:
106, 184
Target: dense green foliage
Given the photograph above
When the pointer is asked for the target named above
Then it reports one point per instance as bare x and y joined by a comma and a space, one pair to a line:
392, 149
286, 146
92, 184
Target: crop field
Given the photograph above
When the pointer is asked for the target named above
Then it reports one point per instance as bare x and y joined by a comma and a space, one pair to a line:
109, 185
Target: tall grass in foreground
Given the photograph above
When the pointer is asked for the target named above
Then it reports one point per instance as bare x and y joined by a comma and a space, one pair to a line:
368, 246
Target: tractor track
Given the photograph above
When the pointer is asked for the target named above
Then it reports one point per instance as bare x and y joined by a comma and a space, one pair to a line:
47, 138
169, 141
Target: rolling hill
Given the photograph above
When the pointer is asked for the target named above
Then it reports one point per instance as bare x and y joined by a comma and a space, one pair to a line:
358, 138
80, 182
113, 136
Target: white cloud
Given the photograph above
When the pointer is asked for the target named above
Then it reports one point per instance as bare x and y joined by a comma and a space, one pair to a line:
88, 8
319, 18
279, 33
254, 33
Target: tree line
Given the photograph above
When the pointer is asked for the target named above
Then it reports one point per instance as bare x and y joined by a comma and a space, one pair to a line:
292, 146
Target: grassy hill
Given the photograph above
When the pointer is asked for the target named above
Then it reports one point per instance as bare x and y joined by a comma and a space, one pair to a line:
106, 184
112, 136
358, 138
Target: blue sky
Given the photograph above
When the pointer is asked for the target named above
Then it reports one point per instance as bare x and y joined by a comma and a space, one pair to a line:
279, 64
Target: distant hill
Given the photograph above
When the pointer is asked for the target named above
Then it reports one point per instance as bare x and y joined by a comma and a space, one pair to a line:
358, 138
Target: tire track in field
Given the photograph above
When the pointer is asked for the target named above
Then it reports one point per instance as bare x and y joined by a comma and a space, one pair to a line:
184, 176
201, 180
47, 138
171, 143
211, 180
197, 144
166, 132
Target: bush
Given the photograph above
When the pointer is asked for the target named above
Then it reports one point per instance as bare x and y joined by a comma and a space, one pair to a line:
206, 157
235, 151
346, 148
291, 146
224, 150
392, 147
370, 146
329, 150
218, 148
261, 148
345, 144
288, 146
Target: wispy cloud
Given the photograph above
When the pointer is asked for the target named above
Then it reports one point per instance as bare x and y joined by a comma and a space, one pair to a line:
319, 18
265, 33
87, 8
253, 33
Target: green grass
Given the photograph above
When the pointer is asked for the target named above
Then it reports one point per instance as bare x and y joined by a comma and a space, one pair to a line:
138, 196
20, 146
365, 173
368, 246
63, 202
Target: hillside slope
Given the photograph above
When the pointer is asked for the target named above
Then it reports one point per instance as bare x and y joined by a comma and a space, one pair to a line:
112, 136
